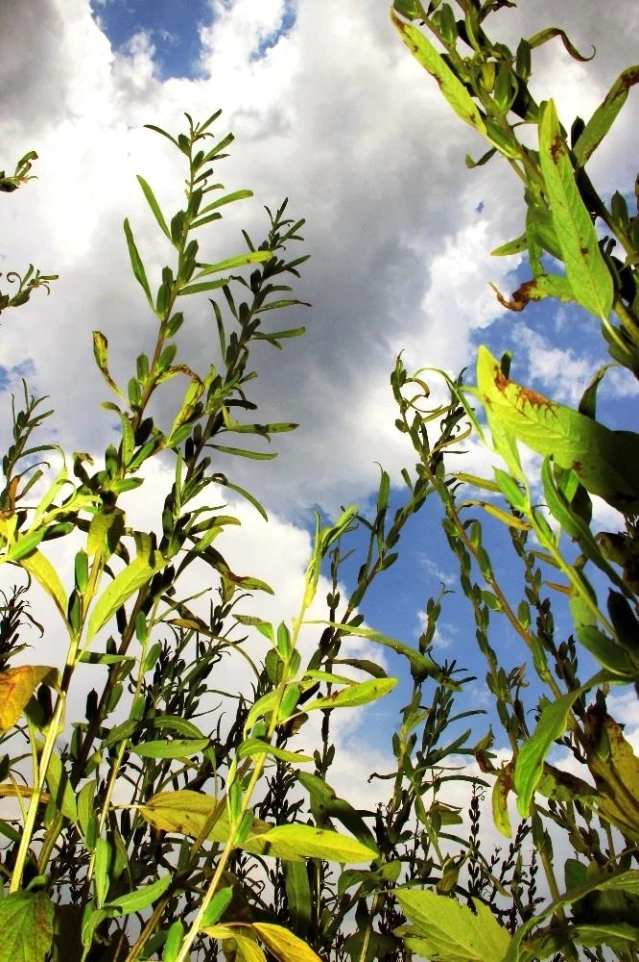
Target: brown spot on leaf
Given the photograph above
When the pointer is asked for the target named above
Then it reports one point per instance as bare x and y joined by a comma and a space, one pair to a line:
527, 395
557, 148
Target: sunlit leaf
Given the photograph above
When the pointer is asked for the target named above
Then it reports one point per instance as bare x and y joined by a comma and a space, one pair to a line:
586, 269
605, 115
450, 931
452, 88
283, 945
361, 693
306, 841
17, 685
606, 462
530, 760
125, 584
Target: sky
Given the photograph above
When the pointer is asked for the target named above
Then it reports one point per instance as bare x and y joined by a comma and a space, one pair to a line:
329, 110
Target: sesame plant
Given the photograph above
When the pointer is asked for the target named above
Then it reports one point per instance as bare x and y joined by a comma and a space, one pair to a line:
581, 249
172, 819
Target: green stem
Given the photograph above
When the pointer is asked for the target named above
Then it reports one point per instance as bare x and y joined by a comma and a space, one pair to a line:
45, 757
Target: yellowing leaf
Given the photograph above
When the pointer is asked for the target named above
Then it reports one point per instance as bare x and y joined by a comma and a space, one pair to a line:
45, 574
282, 944
17, 685
295, 841
361, 693
606, 462
246, 948
450, 931
186, 812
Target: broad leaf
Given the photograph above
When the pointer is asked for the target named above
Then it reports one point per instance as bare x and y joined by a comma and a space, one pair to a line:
17, 685
450, 931
286, 841
45, 574
26, 927
606, 462
587, 272
283, 945
529, 766
125, 584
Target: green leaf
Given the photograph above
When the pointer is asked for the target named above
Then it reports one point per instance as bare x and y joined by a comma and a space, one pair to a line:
529, 766
411, 9
26, 927
361, 693
586, 269
627, 881
289, 841
451, 87
178, 748
217, 906
450, 931
242, 453
549, 33
606, 462
125, 584
421, 666
240, 260
141, 898
137, 265
226, 199
101, 876
101, 355
60, 788
155, 207
298, 895
203, 286
187, 812
255, 746
605, 115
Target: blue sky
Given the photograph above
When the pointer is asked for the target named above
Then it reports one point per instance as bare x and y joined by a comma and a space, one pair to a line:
329, 109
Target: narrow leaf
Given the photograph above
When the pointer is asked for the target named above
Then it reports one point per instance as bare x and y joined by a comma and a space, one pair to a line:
178, 748
155, 207
141, 898
450, 85
362, 693
605, 115
136, 263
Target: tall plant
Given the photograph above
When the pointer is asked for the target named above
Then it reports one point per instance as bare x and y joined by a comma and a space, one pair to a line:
583, 251
172, 820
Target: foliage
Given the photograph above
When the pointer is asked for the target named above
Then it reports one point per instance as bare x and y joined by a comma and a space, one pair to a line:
179, 820
173, 820
584, 252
